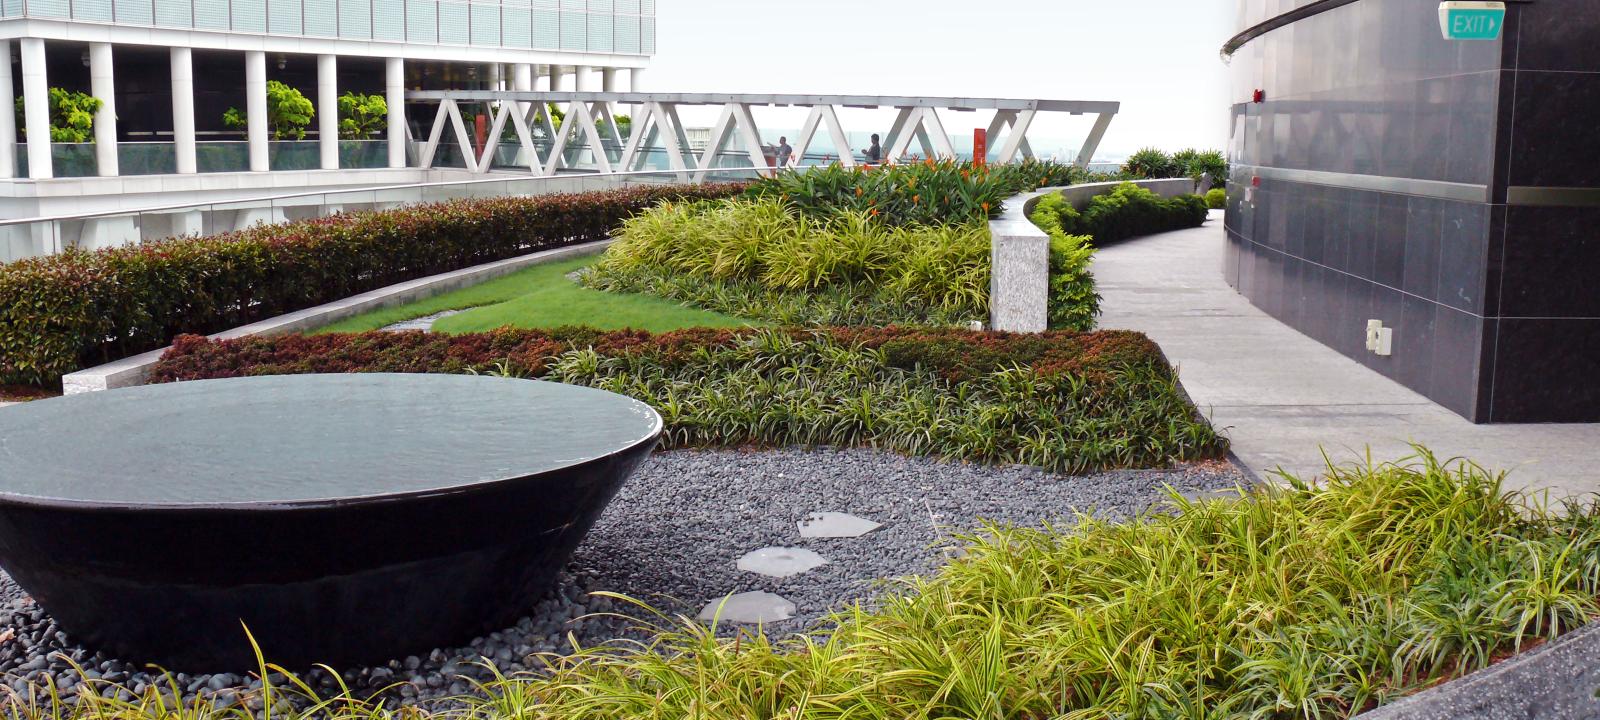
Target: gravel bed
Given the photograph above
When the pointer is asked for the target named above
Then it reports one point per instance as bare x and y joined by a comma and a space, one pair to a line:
672, 537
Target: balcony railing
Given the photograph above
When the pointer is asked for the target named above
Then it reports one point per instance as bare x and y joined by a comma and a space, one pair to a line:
623, 27
70, 160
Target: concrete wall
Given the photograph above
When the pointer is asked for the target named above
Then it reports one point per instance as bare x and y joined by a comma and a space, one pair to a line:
1019, 284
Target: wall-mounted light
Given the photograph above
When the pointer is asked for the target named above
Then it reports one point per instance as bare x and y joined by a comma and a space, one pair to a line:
84, 58
283, 62
1259, 96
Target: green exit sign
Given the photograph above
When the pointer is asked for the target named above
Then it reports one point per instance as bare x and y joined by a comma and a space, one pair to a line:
1471, 19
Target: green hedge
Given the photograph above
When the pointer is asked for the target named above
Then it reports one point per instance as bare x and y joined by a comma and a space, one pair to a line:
925, 193
1125, 212
1216, 198
76, 309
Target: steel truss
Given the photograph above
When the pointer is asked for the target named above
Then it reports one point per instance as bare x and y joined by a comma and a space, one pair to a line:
656, 125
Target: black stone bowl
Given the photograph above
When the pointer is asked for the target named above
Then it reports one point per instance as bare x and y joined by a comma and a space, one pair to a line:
341, 519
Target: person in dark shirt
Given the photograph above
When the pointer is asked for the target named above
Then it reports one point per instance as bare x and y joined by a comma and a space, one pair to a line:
875, 153
784, 151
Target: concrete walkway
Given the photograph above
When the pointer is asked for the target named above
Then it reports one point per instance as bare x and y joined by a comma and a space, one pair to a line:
1283, 398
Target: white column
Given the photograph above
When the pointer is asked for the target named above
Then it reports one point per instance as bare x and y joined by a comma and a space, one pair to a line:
395, 92
328, 110
255, 93
8, 120
556, 83
36, 96
183, 109
585, 78
496, 76
522, 77
636, 84
103, 87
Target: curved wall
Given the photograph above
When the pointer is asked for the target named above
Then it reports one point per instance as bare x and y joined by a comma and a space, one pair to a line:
1379, 180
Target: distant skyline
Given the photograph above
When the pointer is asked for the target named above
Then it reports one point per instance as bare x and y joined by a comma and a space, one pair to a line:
1158, 57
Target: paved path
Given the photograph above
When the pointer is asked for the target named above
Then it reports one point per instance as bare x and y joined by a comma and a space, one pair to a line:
1283, 397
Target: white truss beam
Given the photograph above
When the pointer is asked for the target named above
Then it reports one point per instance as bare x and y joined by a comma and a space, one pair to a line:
657, 126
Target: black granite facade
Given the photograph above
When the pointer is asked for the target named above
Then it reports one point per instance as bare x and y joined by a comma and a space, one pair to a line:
1394, 175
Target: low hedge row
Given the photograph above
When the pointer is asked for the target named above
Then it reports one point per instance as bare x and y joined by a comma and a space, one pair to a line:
67, 311
1127, 211
1066, 401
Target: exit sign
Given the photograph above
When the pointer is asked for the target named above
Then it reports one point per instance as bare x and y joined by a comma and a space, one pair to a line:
1471, 19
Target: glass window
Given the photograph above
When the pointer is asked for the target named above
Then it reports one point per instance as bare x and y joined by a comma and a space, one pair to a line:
355, 19
422, 21
283, 17
249, 15
574, 33
627, 6
211, 14
516, 27
454, 23
546, 29
647, 35
389, 19
92, 10
171, 13
626, 34
599, 32
485, 24
47, 8
131, 11
322, 18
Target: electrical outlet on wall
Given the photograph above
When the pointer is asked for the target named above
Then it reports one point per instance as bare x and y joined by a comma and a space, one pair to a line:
1380, 340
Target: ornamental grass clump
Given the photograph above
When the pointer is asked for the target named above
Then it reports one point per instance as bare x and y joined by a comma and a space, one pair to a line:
758, 259
931, 192
1299, 601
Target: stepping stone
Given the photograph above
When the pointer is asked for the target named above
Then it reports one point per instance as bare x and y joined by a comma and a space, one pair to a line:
748, 608
835, 525
781, 562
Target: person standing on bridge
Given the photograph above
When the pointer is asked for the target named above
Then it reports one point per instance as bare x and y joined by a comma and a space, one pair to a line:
875, 153
784, 152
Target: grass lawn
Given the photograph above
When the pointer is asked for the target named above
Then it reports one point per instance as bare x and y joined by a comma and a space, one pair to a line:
542, 297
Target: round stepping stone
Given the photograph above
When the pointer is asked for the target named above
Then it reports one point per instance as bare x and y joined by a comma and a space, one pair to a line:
781, 562
748, 608
835, 525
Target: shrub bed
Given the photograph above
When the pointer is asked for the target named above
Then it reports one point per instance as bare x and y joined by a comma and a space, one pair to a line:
758, 259
1217, 198
1068, 402
63, 312
926, 193
1125, 212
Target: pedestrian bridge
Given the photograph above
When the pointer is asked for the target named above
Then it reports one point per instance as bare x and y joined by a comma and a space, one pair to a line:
657, 138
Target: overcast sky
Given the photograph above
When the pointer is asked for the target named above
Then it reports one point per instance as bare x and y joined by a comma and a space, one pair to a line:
1158, 57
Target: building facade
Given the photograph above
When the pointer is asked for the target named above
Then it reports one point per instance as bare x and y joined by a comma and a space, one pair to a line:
1447, 189
167, 71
